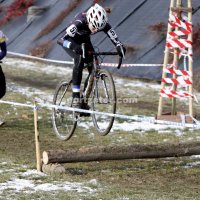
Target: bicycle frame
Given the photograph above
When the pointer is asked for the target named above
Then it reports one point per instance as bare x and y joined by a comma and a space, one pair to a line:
100, 85
93, 76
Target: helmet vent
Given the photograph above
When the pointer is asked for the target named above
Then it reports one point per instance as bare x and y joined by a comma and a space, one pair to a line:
97, 17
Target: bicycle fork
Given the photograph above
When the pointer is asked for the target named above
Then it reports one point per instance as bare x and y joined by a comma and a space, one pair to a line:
100, 99
88, 89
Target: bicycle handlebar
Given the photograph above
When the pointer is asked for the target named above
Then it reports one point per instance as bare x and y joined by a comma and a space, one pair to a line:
102, 54
108, 54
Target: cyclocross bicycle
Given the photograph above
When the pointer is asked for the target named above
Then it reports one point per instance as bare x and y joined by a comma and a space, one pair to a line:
100, 93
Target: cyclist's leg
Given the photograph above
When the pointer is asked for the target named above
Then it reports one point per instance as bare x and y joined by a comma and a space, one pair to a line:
89, 68
76, 76
87, 85
89, 79
79, 65
86, 91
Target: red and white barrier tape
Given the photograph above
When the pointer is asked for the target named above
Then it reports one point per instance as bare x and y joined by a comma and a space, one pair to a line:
177, 81
179, 33
181, 43
185, 47
177, 72
178, 43
172, 94
176, 22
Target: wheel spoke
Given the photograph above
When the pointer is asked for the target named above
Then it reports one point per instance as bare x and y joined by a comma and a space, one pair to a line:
63, 120
104, 100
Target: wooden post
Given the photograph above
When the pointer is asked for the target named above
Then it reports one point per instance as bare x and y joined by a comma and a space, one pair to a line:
176, 6
37, 144
190, 61
165, 63
176, 60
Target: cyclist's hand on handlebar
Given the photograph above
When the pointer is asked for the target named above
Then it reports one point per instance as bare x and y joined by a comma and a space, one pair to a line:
121, 50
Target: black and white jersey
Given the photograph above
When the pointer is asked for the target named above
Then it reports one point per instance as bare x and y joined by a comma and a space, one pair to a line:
80, 32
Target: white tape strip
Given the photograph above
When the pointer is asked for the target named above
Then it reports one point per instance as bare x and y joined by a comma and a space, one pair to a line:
71, 62
131, 65
17, 104
137, 118
40, 59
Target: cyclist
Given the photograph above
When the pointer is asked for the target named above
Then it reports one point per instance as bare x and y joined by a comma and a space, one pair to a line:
3, 53
78, 32
3, 39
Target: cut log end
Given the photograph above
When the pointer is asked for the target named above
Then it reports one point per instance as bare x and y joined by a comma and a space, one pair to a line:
45, 157
53, 169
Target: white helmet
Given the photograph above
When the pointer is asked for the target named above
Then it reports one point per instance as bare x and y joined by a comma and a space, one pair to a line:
97, 17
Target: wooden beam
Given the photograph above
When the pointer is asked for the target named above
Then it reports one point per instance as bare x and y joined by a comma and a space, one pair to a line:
181, 9
190, 63
165, 62
37, 140
134, 151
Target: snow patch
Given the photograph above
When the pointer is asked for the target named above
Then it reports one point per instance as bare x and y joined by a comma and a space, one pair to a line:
31, 186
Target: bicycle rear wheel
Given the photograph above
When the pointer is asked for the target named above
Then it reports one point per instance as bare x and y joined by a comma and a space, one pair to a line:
64, 122
103, 100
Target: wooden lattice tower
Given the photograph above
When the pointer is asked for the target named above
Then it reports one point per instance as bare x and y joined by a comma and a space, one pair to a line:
179, 45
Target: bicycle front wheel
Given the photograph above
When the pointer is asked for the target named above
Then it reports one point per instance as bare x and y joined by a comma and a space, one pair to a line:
103, 100
63, 121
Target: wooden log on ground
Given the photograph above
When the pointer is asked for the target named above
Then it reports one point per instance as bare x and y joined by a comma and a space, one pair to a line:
135, 151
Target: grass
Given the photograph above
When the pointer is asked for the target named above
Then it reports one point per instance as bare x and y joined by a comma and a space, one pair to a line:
168, 178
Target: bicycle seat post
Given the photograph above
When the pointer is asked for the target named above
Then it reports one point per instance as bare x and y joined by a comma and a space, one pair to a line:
95, 63
83, 49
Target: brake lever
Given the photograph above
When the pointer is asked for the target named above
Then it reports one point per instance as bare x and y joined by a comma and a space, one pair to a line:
120, 62
122, 50
120, 58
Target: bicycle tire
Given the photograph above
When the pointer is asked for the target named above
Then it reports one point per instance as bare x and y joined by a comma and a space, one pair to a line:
101, 103
64, 123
